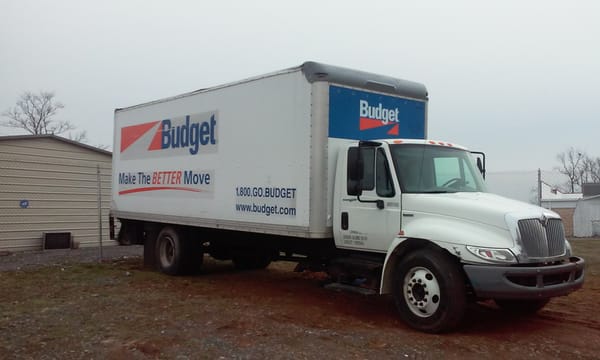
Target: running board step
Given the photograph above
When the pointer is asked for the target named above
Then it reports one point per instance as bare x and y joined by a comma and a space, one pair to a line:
358, 263
355, 289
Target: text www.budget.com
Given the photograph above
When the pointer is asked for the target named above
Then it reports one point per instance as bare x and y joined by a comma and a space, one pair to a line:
265, 209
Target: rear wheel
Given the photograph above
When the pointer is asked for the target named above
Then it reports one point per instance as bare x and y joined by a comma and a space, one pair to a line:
522, 306
429, 291
176, 254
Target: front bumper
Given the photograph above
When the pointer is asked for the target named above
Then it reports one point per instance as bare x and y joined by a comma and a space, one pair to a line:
510, 282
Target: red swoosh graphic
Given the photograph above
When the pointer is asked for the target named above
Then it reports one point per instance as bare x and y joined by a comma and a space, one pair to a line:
156, 188
395, 130
366, 123
130, 134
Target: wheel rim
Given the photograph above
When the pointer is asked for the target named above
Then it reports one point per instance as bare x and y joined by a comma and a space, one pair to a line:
421, 292
167, 251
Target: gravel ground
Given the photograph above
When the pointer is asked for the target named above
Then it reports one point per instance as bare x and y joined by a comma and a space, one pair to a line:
36, 259
121, 310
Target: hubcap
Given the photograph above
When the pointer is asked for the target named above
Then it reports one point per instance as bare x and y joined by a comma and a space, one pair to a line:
421, 292
167, 251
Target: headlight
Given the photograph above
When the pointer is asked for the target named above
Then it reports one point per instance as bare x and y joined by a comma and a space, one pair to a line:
491, 254
569, 251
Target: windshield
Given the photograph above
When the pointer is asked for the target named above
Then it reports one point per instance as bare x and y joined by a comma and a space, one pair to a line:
435, 169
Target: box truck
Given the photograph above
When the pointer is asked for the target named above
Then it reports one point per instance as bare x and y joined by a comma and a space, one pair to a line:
332, 168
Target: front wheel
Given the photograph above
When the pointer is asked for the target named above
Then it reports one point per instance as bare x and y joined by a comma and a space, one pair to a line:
429, 291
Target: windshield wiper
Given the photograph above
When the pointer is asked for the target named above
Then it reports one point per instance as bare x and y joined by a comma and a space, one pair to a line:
438, 192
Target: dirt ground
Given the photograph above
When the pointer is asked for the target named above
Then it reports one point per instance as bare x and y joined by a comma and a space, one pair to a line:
119, 310
36, 259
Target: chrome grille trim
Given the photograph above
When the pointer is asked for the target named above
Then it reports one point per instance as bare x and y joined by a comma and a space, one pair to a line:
541, 241
555, 234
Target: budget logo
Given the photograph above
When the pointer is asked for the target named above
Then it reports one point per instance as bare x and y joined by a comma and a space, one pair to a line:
362, 115
178, 136
378, 116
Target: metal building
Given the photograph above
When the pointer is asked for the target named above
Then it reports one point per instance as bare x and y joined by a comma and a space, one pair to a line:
561, 203
586, 218
49, 191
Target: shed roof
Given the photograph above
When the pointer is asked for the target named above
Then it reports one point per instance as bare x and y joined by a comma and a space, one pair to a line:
58, 138
595, 197
551, 193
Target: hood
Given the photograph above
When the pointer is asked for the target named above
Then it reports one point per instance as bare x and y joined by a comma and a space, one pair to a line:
479, 207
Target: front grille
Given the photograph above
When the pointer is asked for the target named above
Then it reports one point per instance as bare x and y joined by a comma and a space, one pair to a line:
542, 241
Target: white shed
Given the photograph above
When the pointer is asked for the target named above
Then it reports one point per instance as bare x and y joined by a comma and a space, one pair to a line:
561, 203
586, 219
49, 185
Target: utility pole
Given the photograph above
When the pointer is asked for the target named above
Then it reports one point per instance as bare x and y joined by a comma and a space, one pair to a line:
99, 208
539, 183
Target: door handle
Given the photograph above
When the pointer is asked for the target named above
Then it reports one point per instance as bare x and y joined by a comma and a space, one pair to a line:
344, 220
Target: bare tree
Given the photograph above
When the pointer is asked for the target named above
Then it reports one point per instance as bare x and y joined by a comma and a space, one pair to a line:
80, 136
595, 170
571, 165
590, 170
35, 114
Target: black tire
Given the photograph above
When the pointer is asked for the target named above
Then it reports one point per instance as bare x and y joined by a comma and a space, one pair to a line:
522, 307
251, 262
176, 254
429, 291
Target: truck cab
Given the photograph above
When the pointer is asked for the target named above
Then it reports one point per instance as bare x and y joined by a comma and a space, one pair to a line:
424, 207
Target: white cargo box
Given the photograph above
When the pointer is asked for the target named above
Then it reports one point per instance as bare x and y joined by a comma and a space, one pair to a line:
257, 155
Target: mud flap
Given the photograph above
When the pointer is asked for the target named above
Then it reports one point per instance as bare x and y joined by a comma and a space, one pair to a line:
151, 232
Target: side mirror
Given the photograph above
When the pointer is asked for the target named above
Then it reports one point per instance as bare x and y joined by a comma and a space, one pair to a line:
480, 162
355, 171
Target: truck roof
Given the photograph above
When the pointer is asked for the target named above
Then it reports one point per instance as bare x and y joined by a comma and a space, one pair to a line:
314, 72
423, 142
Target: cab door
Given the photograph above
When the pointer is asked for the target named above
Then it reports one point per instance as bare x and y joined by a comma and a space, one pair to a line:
371, 220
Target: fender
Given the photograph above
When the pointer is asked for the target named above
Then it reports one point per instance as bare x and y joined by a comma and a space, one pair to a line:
450, 234
398, 248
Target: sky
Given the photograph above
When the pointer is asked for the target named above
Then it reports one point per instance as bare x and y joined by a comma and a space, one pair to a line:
517, 80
